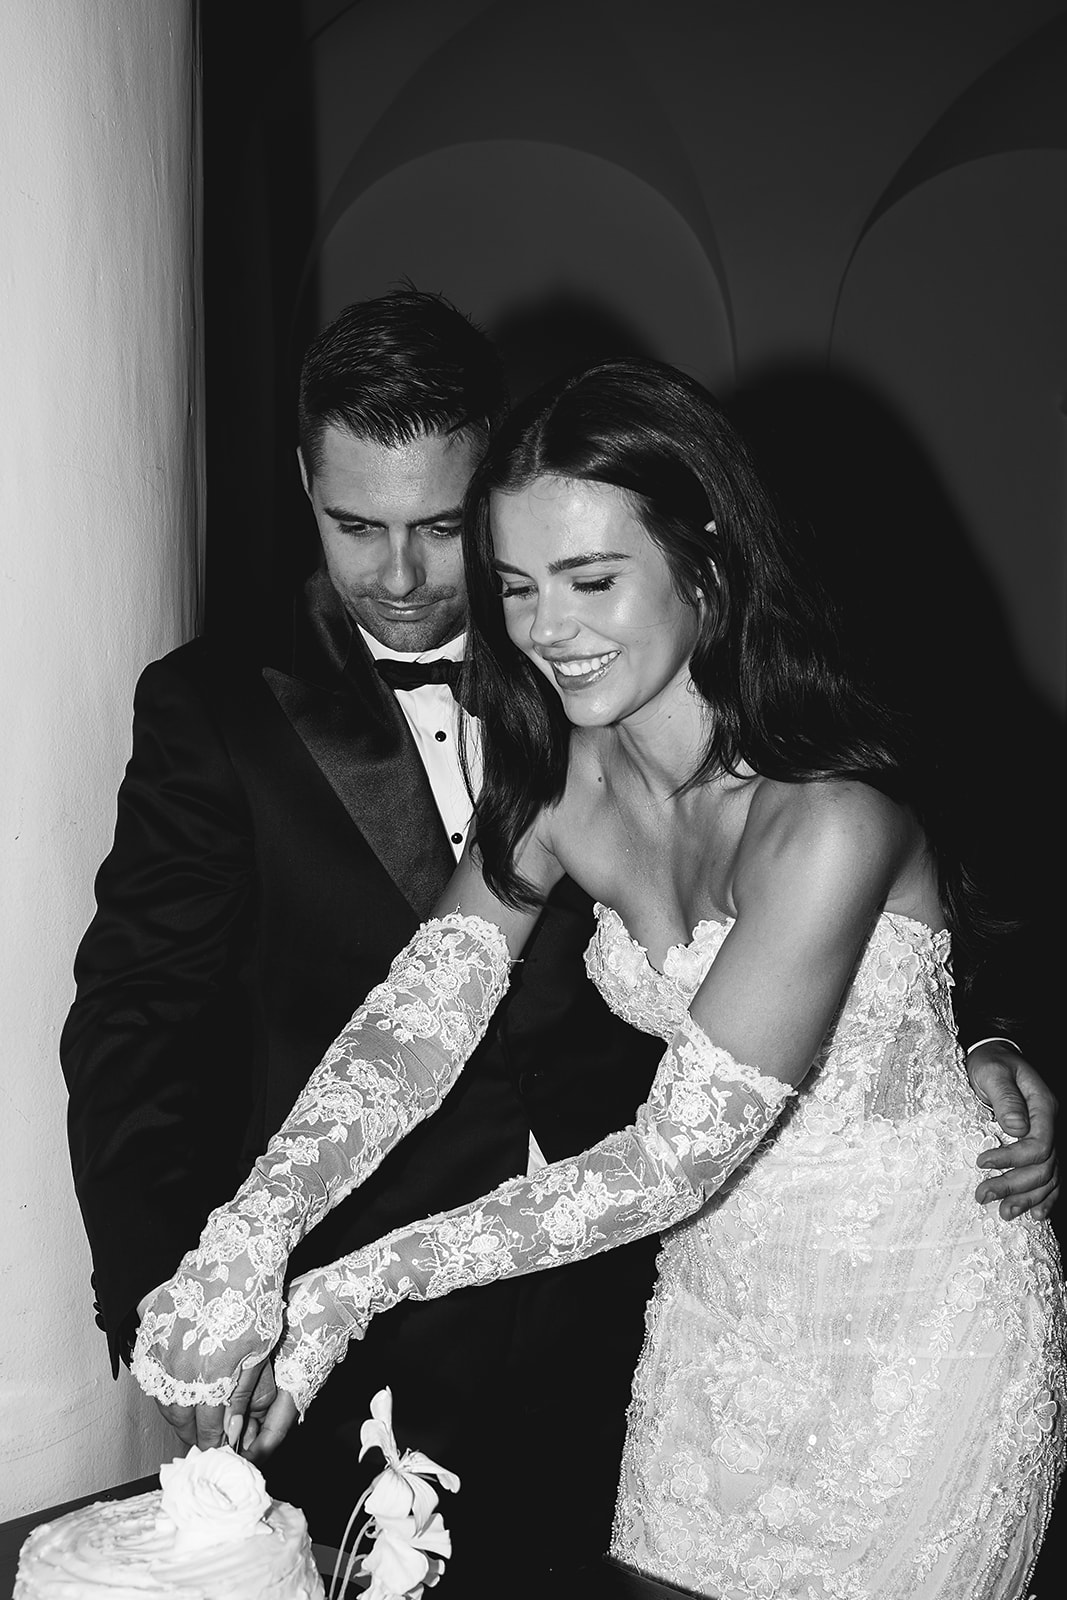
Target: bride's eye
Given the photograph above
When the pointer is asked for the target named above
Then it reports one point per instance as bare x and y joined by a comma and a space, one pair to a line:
515, 591
593, 585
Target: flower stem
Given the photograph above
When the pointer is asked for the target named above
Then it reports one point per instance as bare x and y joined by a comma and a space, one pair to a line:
335, 1592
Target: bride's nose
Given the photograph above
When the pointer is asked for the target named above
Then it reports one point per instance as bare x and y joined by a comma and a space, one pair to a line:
552, 622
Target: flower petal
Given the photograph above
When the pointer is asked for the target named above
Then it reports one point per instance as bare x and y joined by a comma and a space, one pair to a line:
416, 1461
378, 1431
435, 1537
395, 1564
423, 1498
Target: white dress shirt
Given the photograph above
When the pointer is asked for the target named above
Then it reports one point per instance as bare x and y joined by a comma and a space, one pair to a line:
434, 719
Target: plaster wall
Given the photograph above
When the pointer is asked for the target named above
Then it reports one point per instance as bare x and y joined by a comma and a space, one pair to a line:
99, 516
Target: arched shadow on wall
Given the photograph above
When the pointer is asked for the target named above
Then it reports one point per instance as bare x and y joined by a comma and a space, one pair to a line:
592, 96
924, 615
1018, 104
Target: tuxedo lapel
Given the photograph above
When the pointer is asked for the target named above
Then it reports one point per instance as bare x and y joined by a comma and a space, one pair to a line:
358, 737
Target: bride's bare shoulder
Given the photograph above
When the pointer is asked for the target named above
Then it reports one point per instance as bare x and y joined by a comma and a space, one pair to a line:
827, 824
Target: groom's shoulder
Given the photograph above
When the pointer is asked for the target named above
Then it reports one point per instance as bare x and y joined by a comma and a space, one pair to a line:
213, 671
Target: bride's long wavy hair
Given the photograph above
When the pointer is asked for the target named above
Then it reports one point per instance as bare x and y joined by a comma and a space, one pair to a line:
768, 659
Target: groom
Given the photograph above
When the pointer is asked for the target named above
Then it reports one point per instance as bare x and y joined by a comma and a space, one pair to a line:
282, 829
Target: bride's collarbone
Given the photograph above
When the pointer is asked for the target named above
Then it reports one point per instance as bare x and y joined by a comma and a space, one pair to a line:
661, 882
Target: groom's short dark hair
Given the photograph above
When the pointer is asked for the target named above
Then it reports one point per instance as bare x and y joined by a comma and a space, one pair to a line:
395, 369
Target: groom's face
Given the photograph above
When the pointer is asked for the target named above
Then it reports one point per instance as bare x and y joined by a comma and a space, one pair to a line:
389, 521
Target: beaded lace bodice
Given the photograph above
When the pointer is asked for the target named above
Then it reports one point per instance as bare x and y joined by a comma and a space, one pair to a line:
891, 1051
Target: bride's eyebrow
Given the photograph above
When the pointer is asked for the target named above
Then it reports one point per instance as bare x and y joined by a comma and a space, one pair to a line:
567, 563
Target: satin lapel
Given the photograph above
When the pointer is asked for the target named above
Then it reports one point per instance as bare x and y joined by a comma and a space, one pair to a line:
356, 733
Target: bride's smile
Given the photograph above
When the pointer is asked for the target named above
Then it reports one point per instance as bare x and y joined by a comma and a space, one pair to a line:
590, 599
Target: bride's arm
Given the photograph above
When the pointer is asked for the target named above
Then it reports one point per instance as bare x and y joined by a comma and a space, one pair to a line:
389, 1068
805, 910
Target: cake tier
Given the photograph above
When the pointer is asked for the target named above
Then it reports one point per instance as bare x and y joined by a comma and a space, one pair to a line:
124, 1550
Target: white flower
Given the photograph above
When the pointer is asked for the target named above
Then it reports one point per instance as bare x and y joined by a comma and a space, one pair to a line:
779, 1506
224, 1237
223, 1319
564, 1223
966, 1288
757, 1395
212, 1497
400, 1490
1037, 1417
762, 1577
891, 1390
688, 1481
409, 1541
888, 1467
406, 1559
741, 1451
688, 1105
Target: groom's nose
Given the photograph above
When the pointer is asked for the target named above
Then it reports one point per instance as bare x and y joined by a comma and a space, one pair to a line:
403, 568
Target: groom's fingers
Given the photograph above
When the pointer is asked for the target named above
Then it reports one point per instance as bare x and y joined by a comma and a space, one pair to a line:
1022, 1189
253, 1395
273, 1428
209, 1426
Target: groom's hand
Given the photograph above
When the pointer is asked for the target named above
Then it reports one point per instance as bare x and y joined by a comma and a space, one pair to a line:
1025, 1108
253, 1398
272, 1429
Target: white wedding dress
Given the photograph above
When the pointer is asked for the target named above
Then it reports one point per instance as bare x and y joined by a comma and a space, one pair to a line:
853, 1377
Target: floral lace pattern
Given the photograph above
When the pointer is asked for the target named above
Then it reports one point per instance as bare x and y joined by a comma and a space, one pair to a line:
853, 1379
389, 1068
704, 1116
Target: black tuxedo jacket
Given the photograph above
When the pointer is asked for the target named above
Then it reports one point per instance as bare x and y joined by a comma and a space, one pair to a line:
276, 844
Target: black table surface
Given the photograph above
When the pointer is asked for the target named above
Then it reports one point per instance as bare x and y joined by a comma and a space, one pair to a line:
601, 1581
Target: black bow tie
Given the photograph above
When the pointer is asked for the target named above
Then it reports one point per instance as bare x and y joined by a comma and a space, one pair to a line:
413, 674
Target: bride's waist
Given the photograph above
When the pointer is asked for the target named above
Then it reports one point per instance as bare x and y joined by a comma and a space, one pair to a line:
832, 1132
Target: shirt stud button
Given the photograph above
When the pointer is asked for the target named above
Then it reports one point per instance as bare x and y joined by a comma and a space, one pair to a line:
440, 736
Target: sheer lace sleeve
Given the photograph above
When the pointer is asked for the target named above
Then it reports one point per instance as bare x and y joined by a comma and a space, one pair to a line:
705, 1113
392, 1065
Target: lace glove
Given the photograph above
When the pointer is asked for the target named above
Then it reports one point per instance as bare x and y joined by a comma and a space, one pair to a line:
705, 1114
393, 1064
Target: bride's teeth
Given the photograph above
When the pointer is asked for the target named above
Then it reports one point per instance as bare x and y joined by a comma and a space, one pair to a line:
582, 669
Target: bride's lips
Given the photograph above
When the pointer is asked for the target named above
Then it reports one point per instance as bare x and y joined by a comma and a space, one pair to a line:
580, 672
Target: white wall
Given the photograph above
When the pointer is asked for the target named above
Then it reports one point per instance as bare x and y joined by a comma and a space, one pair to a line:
100, 500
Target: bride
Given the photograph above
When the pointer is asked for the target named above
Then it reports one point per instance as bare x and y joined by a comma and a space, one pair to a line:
853, 1377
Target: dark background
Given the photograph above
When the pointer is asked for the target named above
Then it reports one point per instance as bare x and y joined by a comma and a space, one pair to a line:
851, 221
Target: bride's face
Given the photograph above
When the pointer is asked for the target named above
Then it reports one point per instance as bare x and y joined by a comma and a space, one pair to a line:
589, 598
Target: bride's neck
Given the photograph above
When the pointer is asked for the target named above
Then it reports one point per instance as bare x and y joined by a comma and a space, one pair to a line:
663, 747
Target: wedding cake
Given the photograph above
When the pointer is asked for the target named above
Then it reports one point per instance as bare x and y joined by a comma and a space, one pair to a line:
211, 1532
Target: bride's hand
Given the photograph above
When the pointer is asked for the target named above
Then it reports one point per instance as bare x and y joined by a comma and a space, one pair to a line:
327, 1308
219, 1315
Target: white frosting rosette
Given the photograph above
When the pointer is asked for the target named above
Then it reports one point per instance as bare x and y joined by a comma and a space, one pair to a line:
213, 1497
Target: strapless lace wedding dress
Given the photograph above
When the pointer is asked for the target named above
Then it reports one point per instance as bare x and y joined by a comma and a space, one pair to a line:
853, 1378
